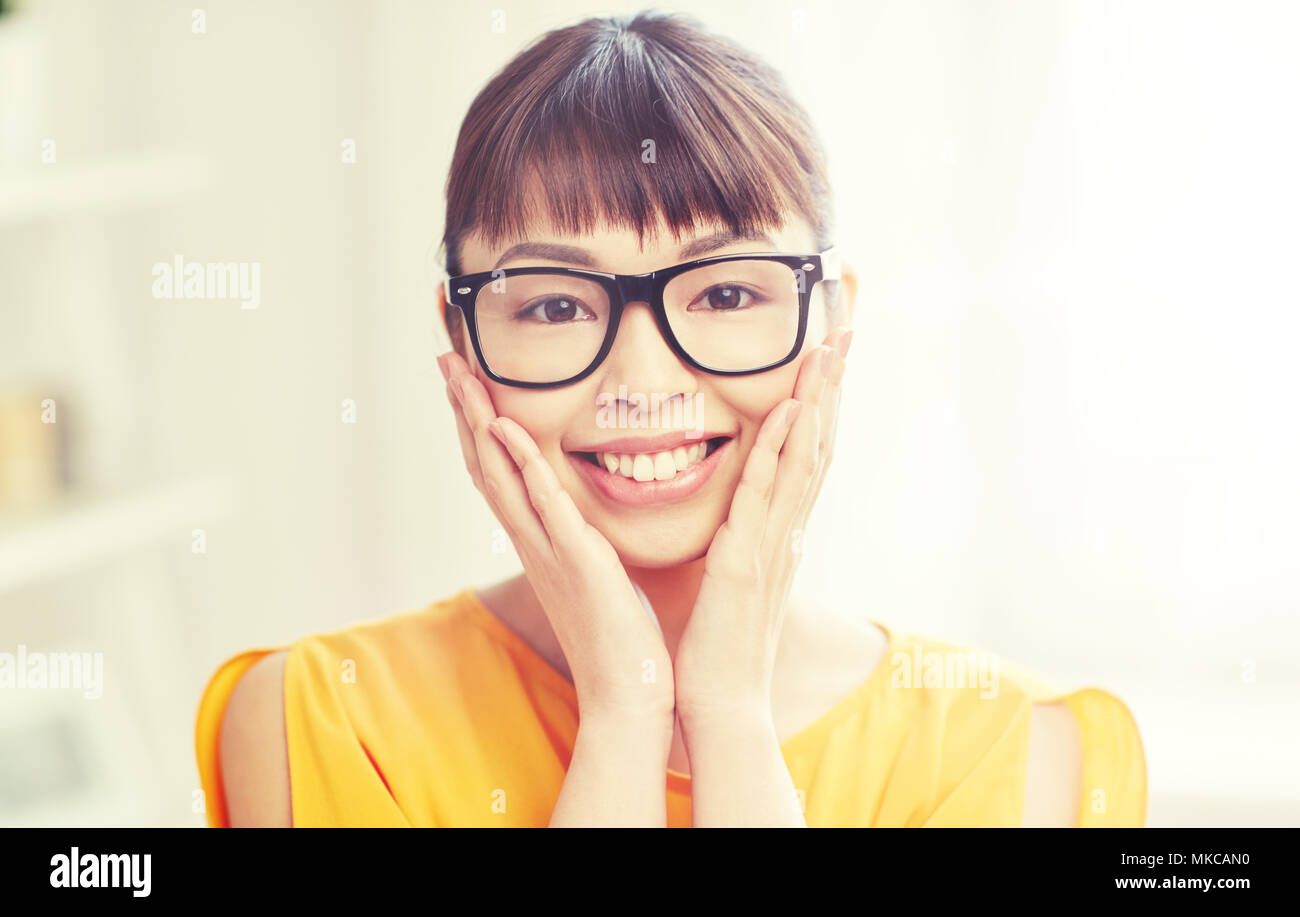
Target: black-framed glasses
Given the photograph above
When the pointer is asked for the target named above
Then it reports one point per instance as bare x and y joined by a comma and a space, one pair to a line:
731, 315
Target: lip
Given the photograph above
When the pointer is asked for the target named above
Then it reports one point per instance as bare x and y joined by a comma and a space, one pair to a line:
625, 491
661, 443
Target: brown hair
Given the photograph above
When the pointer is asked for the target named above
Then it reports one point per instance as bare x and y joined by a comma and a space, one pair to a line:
563, 127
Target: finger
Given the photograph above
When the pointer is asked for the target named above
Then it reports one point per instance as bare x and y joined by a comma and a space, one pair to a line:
830, 412
502, 484
559, 515
452, 365
753, 497
798, 465
467, 446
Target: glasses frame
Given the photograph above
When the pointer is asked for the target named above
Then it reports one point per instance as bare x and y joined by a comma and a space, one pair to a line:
462, 292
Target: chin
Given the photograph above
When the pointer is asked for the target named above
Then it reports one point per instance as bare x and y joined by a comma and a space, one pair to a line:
639, 557
655, 547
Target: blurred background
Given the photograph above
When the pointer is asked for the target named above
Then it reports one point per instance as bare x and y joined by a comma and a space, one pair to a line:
1069, 430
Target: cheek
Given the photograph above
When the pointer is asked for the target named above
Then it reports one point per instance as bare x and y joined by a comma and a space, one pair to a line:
754, 397
547, 414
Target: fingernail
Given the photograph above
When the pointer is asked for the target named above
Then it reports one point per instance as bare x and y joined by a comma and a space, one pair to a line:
442, 367
844, 344
792, 413
457, 390
496, 429
827, 357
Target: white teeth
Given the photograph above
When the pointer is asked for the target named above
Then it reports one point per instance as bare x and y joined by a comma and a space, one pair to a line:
652, 466
643, 468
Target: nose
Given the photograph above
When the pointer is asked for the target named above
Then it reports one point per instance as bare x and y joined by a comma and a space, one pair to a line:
642, 360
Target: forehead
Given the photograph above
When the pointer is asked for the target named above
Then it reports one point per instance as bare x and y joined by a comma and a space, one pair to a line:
621, 249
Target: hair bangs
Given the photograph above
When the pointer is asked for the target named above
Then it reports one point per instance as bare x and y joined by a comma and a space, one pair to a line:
633, 124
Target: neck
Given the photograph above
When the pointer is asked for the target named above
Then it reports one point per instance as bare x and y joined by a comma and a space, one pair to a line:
671, 591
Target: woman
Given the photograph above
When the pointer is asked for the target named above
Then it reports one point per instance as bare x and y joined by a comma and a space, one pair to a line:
650, 327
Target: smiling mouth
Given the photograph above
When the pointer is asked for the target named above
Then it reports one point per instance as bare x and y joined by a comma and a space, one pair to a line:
643, 467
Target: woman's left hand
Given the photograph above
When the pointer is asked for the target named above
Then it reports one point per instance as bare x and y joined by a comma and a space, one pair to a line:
724, 661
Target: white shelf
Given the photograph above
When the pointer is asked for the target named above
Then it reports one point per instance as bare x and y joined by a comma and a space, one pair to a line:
79, 533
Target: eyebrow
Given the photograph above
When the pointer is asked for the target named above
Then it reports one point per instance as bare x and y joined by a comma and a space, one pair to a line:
703, 246
572, 254
550, 251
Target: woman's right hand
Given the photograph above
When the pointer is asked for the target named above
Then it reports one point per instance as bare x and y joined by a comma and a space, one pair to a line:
616, 654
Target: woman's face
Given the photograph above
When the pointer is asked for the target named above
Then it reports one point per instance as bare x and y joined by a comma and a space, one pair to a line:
588, 427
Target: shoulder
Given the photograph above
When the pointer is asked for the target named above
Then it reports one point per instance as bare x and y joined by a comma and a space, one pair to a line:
1112, 779
375, 654
266, 713
363, 670
1053, 757
1053, 767
254, 749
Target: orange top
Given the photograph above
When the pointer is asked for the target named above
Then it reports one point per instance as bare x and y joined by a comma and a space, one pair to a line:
446, 717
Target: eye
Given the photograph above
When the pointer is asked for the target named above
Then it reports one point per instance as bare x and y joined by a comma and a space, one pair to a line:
723, 297
557, 310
